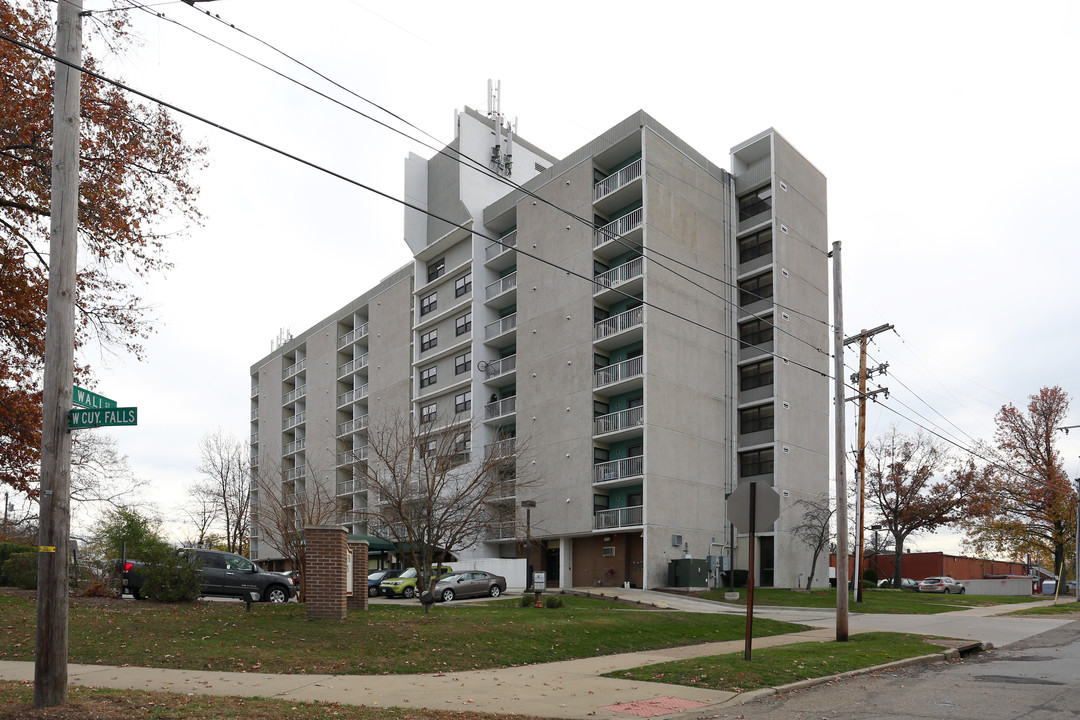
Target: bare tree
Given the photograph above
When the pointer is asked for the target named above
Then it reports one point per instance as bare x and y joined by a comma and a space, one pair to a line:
226, 483
286, 502
814, 529
203, 511
432, 494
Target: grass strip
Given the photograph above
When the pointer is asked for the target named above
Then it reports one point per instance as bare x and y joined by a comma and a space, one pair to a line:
783, 664
889, 602
391, 639
1058, 609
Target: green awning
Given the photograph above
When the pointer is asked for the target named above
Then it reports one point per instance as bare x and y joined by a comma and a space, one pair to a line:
374, 543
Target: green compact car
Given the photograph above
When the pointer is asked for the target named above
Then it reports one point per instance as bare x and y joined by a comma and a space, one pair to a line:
404, 585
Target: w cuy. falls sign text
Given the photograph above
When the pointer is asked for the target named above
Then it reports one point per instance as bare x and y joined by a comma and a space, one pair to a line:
91, 418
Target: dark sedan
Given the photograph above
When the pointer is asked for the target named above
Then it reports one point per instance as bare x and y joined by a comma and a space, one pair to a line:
472, 583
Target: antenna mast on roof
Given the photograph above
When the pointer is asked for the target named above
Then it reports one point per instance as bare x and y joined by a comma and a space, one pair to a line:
501, 162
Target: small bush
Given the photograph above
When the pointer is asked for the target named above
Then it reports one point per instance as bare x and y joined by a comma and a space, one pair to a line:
526, 601
870, 576
169, 576
21, 570
7, 549
553, 602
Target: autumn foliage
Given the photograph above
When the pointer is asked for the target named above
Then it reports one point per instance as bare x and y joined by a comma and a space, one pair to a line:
135, 193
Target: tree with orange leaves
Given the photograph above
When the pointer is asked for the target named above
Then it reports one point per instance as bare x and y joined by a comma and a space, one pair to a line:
1025, 505
134, 178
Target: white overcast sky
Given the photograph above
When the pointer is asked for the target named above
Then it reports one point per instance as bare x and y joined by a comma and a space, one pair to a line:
947, 131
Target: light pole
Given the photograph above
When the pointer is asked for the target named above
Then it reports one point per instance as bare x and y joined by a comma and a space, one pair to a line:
877, 571
528, 505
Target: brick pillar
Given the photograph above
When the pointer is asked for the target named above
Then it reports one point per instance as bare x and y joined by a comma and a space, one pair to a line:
324, 571
359, 599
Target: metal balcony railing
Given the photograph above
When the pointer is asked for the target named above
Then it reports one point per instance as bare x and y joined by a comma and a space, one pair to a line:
620, 420
617, 228
500, 407
353, 395
254, 391
495, 368
294, 499
616, 180
348, 487
618, 517
634, 367
254, 414
352, 336
295, 473
291, 422
619, 323
618, 275
500, 326
352, 366
500, 448
506, 243
294, 447
255, 438
293, 369
354, 425
503, 284
618, 469
294, 395
348, 457
502, 531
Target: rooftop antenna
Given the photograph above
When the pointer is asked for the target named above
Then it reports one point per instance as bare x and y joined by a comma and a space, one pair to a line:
501, 162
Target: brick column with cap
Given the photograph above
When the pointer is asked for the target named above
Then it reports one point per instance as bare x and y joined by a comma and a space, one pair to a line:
359, 599
325, 571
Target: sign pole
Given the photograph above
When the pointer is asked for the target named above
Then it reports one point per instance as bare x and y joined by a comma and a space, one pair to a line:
750, 574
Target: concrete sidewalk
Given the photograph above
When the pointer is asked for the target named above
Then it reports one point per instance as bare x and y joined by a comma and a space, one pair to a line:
568, 689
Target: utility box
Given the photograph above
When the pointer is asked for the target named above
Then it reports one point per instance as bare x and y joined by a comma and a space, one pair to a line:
688, 573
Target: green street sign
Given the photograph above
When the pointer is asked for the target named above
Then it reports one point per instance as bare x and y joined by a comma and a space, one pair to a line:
102, 417
87, 399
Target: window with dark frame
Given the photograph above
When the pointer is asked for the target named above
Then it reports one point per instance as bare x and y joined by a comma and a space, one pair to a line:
754, 333
756, 375
428, 376
463, 285
754, 246
429, 303
463, 324
428, 413
759, 287
755, 462
436, 269
429, 340
463, 363
463, 401
755, 203
756, 419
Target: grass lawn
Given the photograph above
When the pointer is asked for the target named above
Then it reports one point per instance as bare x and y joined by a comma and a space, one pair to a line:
1061, 607
874, 601
16, 703
385, 639
770, 667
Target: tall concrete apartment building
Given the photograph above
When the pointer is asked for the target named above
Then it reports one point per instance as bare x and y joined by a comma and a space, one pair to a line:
651, 326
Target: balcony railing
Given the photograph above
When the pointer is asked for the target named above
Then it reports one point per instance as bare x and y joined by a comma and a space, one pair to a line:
618, 469
254, 391
353, 425
294, 447
503, 284
500, 407
500, 326
348, 487
294, 395
254, 438
617, 228
352, 366
353, 395
355, 455
506, 243
294, 499
293, 369
502, 531
254, 414
620, 420
295, 420
500, 448
352, 336
613, 182
619, 323
618, 275
618, 517
501, 366
295, 473
634, 367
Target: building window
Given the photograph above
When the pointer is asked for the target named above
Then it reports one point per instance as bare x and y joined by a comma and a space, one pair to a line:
463, 401
429, 448
755, 375
755, 203
754, 246
463, 324
759, 287
463, 442
435, 269
429, 340
756, 418
755, 462
428, 413
428, 376
463, 363
429, 303
463, 285
755, 333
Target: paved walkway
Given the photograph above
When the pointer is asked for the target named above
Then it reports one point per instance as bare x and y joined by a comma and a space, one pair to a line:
569, 689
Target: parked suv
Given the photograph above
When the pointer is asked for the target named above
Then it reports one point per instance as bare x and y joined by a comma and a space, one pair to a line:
404, 585
221, 574
943, 584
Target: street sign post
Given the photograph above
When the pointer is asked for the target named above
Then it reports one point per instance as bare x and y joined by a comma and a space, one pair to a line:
102, 418
752, 505
87, 399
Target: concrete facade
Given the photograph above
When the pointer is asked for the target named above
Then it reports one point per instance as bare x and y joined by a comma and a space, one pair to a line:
641, 328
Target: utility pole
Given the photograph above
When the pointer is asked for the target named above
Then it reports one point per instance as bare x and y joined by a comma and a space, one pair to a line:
863, 338
51, 640
840, 456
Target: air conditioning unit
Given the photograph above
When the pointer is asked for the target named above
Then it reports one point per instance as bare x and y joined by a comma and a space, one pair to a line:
676, 540
607, 552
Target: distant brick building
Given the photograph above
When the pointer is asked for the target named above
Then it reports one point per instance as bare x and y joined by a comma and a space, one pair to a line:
927, 564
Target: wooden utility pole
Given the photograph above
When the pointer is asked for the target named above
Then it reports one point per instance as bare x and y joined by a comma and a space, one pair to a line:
863, 338
51, 641
840, 458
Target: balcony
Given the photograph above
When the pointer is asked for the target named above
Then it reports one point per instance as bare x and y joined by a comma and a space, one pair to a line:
621, 376
295, 473
352, 336
619, 472
347, 398
254, 391
502, 531
628, 278
255, 415
501, 367
294, 369
351, 426
500, 293
293, 421
497, 334
294, 499
500, 408
617, 181
621, 329
351, 487
620, 235
621, 424
501, 255
350, 457
500, 448
352, 366
294, 447
503, 492
294, 395
255, 438
618, 518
